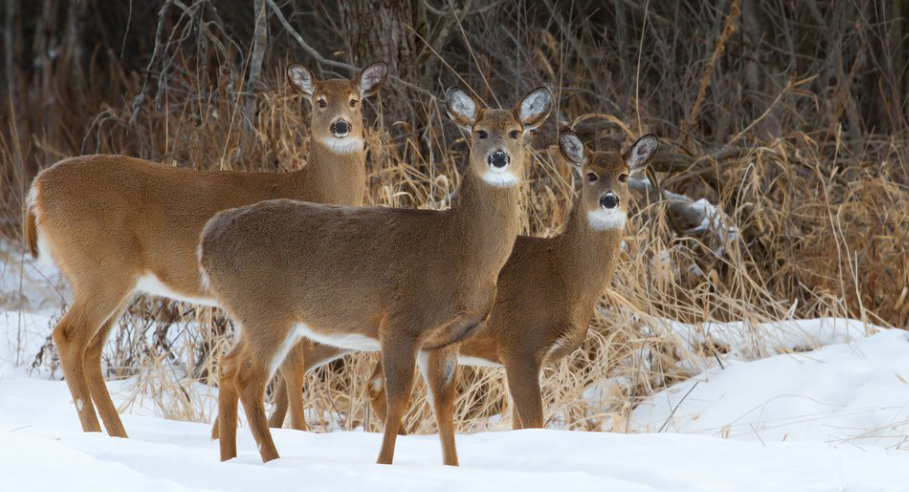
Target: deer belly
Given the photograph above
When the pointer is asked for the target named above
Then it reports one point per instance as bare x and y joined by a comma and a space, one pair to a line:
150, 284
349, 341
466, 360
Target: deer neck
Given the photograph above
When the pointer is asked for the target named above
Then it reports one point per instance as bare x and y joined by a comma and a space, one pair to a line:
587, 257
332, 177
487, 220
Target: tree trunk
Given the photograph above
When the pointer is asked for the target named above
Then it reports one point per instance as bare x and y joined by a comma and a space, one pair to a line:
378, 31
260, 40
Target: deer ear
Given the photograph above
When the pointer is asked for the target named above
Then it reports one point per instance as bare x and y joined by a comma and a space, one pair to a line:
534, 108
462, 108
641, 153
372, 78
301, 78
572, 149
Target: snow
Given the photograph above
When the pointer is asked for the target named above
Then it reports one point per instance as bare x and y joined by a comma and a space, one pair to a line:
43, 449
850, 393
797, 405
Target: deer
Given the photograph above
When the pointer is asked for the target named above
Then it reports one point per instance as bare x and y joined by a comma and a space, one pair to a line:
119, 226
397, 281
548, 289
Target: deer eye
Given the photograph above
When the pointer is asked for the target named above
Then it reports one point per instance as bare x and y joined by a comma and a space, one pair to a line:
481, 134
591, 177
623, 177
514, 134
353, 103
322, 103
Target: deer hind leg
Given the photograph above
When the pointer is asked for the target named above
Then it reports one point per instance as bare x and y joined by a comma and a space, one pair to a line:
91, 308
440, 370
228, 399
216, 425
95, 375
265, 352
304, 357
282, 400
290, 389
375, 391
398, 360
524, 385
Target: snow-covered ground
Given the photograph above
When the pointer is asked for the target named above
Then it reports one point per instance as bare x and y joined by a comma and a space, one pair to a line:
809, 405
854, 393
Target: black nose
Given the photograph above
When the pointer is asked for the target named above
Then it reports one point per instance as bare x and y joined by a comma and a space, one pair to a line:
340, 128
609, 201
499, 159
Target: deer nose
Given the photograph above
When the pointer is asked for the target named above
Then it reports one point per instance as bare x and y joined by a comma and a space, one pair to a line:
609, 200
499, 159
340, 128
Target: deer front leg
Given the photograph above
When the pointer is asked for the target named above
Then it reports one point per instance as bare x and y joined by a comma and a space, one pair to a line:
524, 385
398, 360
440, 370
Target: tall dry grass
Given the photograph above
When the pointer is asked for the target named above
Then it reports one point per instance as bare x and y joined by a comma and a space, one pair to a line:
812, 204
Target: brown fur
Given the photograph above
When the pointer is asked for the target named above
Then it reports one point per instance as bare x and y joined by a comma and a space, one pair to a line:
404, 279
546, 294
110, 220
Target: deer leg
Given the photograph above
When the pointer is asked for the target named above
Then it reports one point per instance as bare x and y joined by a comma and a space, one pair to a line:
398, 360
375, 390
304, 357
216, 423
524, 386
515, 418
95, 375
266, 351
251, 385
276, 421
72, 336
293, 371
228, 399
440, 370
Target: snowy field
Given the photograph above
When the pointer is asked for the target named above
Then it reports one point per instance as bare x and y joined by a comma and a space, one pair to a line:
833, 415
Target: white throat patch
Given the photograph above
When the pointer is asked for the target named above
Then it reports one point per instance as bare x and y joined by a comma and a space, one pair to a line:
342, 145
502, 179
607, 220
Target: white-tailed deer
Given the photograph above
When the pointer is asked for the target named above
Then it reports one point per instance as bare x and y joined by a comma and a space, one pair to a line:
377, 279
548, 289
119, 226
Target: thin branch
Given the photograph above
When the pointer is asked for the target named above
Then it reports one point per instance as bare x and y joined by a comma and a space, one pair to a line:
332, 63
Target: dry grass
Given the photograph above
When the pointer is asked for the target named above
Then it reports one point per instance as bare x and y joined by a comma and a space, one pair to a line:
819, 221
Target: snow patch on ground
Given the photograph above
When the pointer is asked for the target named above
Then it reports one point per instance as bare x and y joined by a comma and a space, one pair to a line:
855, 393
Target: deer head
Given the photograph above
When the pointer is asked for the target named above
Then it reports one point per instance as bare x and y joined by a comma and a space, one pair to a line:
604, 192
497, 136
336, 118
